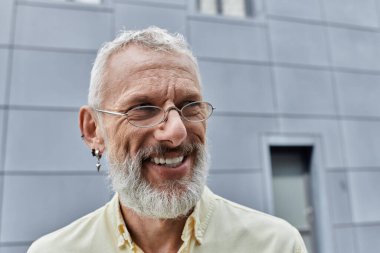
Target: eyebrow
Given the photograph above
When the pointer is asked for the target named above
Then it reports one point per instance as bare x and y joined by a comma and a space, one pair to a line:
139, 98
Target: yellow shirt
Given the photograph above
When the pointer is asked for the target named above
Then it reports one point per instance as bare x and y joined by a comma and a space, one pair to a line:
216, 225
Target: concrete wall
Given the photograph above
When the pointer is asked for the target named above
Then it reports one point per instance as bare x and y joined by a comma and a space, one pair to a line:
296, 69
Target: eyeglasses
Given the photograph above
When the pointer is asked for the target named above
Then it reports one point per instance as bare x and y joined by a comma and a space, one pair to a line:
148, 115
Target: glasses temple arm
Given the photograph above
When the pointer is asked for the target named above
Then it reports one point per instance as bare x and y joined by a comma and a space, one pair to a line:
112, 113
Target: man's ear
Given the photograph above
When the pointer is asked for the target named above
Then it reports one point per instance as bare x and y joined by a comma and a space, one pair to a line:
90, 129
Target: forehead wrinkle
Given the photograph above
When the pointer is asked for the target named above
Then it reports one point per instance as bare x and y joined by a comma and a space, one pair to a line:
161, 67
133, 94
158, 77
162, 70
150, 80
136, 95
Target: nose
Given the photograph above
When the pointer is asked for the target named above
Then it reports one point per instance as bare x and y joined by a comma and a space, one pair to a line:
172, 131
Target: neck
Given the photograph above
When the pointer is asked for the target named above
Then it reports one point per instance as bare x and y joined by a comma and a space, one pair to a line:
154, 235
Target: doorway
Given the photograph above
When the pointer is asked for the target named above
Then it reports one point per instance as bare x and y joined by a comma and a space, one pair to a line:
292, 190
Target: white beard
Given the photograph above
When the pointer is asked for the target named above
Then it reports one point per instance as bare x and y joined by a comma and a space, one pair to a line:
170, 200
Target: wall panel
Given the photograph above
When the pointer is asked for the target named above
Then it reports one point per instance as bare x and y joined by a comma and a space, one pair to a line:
4, 55
355, 48
243, 188
44, 78
6, 7
46, 141
304, 91
67, 28
2, 137
237, 87
350, 85
128, 16
14, 249
52, 200
362, 143
235, 142
368, 239
352, 12
345, 240
298, 43
339, 197
242, 42
157, 2
365, 192
307, 9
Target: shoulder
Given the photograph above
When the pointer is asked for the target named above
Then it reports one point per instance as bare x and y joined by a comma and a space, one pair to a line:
252, 228
239, 214
231, 210
67, 238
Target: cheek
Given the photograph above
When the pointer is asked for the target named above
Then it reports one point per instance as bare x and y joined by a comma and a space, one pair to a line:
121, 140
197, 131
131, 140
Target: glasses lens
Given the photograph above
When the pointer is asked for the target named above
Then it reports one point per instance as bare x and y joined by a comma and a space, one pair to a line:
197, 111
145, 116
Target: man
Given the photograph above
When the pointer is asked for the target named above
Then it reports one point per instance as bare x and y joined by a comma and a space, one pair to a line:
147, 116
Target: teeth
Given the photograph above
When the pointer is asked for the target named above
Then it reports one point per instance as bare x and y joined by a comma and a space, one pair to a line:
167, 161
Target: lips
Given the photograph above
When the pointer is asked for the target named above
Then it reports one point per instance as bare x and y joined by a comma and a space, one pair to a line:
170, 162
168, 166
161, 163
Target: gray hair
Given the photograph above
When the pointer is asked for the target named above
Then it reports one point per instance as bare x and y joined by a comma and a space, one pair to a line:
154, 38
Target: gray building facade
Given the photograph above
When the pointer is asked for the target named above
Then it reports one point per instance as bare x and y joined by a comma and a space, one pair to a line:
289, 79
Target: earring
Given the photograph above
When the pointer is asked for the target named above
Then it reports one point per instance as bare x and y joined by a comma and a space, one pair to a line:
98, 155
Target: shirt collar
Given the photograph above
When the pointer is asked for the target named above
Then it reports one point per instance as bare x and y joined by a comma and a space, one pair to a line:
200, 217
196, 223
123, 238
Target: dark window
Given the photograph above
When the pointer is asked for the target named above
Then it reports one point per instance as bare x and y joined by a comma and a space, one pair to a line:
85, 1
236, 8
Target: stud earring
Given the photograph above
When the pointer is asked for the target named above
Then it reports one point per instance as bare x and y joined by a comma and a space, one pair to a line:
98, 155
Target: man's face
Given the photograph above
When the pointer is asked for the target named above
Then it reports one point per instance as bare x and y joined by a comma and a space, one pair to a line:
169, 152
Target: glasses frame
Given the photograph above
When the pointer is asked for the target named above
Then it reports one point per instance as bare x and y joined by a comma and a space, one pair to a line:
166, 113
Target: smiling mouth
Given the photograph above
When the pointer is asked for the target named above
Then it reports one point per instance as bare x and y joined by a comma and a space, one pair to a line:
168, 162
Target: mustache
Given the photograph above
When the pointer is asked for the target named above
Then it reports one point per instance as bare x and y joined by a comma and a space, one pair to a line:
162, 149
